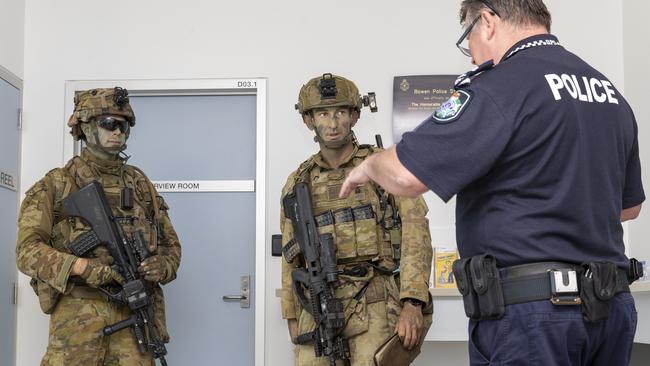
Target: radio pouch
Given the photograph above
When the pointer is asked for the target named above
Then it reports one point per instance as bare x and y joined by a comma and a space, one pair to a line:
598, 286
487, 284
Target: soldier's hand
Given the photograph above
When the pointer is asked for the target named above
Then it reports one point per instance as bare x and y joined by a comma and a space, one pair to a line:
154, 268
103, 255
97, 274
292, 324
409, 325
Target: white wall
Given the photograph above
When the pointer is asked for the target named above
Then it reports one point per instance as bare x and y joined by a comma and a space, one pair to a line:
636, 92
12, 25
286, 41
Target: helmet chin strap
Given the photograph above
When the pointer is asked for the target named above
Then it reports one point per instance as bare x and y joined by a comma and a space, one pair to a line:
339, 144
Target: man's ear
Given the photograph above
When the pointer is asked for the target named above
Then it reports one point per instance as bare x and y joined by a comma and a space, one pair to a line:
354, 116
488, 21
308, 120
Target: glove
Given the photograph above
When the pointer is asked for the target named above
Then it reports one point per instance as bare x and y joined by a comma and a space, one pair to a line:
98, 274
103, 255
154, 268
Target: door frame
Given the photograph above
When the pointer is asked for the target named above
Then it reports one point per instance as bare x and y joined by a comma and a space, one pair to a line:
12, 79
194, 87
17, 83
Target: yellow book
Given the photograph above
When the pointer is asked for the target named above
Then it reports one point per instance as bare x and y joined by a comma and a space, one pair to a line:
442, 262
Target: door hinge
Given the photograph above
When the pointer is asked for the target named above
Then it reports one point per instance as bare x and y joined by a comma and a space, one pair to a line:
15, 302
20, 118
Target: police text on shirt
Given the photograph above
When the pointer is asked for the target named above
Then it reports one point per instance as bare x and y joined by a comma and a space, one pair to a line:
586, 90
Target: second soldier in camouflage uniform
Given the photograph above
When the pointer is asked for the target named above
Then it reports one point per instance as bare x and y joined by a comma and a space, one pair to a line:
374, 233
66, 285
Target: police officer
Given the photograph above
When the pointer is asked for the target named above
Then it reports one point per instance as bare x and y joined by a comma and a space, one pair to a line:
68, 286
370, 229
541, 150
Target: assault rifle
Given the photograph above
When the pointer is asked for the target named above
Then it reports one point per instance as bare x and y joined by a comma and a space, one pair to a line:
90, 204
319, 277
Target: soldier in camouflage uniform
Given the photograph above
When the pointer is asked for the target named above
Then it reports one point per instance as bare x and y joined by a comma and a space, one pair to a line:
66, 285
373, 232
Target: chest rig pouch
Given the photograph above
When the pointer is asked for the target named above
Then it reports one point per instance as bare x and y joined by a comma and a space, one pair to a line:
352, 221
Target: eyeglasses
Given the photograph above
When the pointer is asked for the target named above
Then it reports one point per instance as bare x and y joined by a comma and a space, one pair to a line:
112, 123
464, 49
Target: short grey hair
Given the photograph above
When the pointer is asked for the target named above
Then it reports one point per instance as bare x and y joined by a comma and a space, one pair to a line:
516, 12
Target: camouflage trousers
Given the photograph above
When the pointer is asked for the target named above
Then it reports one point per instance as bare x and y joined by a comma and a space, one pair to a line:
371, 322
76, 337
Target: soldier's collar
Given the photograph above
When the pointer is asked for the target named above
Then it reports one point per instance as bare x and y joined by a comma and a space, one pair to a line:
320, 161
530, 42
103, 165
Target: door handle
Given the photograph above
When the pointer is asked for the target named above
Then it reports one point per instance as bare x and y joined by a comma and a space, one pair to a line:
244, 296
233, 297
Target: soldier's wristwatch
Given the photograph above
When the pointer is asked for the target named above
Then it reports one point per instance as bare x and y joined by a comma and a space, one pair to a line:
414, 302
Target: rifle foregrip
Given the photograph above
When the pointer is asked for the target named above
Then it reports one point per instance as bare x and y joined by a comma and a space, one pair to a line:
84, 243
110, 329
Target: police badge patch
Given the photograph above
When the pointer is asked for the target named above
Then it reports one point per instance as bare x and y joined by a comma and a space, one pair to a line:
452, 108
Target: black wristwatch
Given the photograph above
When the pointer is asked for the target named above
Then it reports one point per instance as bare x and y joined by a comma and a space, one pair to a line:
414, 302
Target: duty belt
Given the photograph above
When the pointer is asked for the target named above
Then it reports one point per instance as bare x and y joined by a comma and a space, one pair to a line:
556, 281
487, 289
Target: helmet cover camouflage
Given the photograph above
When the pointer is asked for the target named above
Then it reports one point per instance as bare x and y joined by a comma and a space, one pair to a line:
328, 91
95, 102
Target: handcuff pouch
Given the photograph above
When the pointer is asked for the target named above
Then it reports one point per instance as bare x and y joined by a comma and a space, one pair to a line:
464, 285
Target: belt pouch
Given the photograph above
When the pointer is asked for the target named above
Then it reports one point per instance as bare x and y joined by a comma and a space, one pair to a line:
597, 287
487, 284
464, 285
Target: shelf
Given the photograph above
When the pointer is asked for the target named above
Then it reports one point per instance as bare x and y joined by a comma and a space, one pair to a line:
641, 286
444, 292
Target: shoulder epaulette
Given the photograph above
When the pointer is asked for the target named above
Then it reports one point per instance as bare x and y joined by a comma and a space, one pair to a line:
466, 78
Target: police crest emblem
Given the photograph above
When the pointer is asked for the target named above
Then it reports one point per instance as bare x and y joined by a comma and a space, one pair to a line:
452, 108
404, 85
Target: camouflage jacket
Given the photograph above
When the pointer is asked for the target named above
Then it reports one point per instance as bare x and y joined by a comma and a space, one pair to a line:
361, 240
44, 230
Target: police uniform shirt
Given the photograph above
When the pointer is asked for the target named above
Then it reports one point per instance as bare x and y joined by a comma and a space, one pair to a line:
542, 151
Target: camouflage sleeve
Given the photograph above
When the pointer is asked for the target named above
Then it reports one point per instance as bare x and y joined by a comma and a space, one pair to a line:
35, 257
289, 303
416, 249
169, 246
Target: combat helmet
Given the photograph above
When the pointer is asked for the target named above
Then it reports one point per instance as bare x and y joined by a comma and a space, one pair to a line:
95, 102
333, 91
